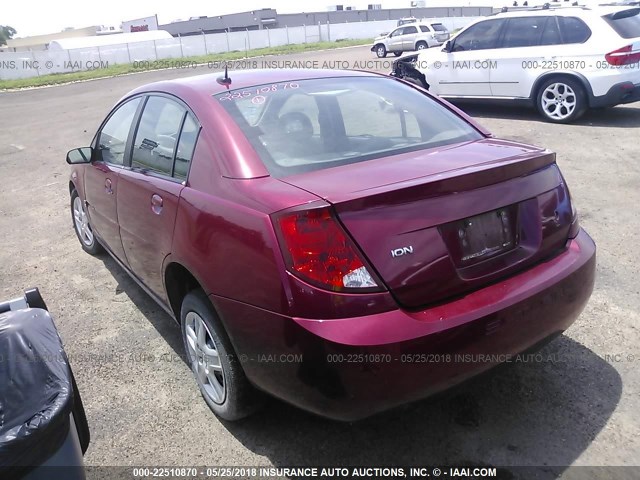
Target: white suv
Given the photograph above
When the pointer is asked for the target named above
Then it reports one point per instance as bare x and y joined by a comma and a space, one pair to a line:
562, 60
411, 37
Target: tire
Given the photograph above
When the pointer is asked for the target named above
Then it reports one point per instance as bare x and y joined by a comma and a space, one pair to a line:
82, 226
422, 46
215, 365
397, 54
381, 51
561, 100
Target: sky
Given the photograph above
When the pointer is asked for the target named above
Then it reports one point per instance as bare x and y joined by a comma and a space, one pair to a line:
36, 17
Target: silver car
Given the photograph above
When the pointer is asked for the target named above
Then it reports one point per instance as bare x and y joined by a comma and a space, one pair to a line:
408, 38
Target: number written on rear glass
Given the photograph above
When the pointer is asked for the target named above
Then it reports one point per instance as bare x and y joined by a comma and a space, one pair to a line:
266, 89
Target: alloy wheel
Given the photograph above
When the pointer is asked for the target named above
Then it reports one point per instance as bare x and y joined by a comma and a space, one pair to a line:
81, 222
205, 358
558, 101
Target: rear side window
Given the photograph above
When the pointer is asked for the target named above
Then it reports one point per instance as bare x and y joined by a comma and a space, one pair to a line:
626, 23
481, 36
186, 146
524, 32
322, 123
157, 135
113, 136
424, 29
573, 30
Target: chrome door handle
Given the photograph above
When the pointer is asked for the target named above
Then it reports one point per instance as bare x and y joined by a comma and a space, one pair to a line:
107, 187
156, 204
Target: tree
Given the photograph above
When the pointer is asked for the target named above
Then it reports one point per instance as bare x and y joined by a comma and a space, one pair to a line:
6, 32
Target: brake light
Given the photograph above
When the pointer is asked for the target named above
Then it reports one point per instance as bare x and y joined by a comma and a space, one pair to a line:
574, 228
623, 56
318, 250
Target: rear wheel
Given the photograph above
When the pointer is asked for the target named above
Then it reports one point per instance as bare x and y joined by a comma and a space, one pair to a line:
561, 100
381, 51
82, 225
213, 361
422, 46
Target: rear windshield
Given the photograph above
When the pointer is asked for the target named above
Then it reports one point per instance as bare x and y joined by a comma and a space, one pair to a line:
307, 125
626, 23
438, 27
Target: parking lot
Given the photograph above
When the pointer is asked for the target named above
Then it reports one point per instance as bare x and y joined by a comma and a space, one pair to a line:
576, 405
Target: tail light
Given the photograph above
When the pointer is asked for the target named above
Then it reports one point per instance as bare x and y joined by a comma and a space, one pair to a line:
623, 56
574, 229
317, 250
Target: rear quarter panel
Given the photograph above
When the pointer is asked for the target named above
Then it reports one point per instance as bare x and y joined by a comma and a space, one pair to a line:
225, 237
223, 233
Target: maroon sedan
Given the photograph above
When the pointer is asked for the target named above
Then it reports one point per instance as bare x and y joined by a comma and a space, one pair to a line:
344, 241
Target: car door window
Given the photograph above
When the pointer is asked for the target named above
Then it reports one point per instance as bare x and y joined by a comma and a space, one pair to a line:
397, 32
481, 36
410, 30
523, 32
186, 146
573, 30
551, 33
424, 29
158, 131
112, 141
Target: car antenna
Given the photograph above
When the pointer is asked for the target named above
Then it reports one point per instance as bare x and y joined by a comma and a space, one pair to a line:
225, 80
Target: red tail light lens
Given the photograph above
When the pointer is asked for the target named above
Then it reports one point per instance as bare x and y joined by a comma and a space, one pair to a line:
623, 56
574, 229
318, 251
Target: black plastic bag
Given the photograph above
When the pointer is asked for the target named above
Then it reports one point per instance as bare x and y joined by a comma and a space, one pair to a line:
36, 389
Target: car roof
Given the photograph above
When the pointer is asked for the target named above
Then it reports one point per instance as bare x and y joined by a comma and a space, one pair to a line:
572, 11
207, 84
424, 22
197, 92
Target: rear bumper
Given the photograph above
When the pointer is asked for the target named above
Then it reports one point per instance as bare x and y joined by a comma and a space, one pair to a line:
348, 369
625, 92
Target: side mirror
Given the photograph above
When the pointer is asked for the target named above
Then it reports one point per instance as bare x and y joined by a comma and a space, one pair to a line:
79, 155
448, 47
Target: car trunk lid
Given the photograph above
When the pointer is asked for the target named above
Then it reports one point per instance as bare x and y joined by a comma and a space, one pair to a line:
440, 222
